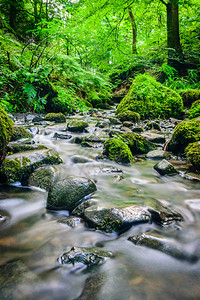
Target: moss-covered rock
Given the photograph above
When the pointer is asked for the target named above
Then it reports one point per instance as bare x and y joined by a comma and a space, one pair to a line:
43, 177
77, 126
192, 152
19, 166
165, 168
194, 111
69, 193
56, 117
115, 149
20, 133
15, 147
136, 143
150, 99
185, 132
189, 96
116, 219
152, 125
6, 131
128, 115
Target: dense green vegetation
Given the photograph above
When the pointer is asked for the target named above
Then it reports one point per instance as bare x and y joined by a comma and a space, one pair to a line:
62, 55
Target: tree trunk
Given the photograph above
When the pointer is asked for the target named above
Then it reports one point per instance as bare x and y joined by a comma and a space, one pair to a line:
175, 55
134, 30
13, 14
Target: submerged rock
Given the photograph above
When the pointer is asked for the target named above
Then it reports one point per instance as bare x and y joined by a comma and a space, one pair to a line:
87, 257
62, 136
19, 166
163, 214
43, 177
165, 168
69, 193
165, 245
79, 159
193, 204
71, 221
116, 219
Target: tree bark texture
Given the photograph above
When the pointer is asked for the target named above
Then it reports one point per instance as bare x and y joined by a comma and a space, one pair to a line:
134, 30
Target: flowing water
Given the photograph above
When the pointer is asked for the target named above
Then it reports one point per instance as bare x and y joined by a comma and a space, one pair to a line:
31, 240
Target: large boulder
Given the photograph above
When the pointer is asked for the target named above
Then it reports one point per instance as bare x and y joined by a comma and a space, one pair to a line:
19, 166
150, 99
185, 132
116, 219
136, 143
43, 177
6, 131
115, 149
69, 193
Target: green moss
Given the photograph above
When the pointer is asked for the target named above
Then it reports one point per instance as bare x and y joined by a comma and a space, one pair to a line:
6, 131
194, 111
136, 143
185, 132
20, 133
192, 153
15, 170
128, 115
77, 126
151, 99
115, 149
56, 117
189, 96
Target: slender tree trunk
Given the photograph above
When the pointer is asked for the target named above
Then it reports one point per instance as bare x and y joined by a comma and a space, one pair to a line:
175, 55
13, 14
134, 30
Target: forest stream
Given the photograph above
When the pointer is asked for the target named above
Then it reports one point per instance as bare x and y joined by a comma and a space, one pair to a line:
33, 239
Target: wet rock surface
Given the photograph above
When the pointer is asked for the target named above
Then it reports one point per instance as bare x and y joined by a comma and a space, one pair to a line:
165, 168
43, 177
19, 166
87, 257
69, 193
165, 245
116, 219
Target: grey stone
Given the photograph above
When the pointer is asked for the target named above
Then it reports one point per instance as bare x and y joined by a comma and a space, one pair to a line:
165, 168
116, 219
87, 257
79, 159
19, 166
165, 245
153, 137
158, 154
69, 193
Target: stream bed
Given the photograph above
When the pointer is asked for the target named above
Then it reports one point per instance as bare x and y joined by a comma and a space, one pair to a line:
31, 240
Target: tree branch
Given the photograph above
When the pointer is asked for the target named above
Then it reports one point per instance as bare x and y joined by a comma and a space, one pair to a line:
163, 2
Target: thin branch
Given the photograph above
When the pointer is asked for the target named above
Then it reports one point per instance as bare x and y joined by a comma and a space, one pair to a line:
163, 2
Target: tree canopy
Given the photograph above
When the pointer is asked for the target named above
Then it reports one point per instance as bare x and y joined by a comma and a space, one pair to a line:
60, 54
